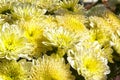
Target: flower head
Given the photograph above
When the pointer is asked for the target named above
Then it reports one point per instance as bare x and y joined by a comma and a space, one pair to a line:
11, 70
61, 38
93, 68
50, 68
27, 11
72, 22
33, 32
107, 15
12, 43
89, 63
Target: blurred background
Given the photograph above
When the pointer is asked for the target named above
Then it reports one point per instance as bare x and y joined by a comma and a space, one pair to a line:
113, 5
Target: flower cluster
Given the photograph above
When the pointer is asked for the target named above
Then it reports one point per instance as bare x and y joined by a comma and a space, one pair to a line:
57, 40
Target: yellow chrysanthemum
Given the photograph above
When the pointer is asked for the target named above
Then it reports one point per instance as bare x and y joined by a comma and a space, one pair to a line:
107, 15
12, 43
72, 22
112, 19
93, 68
61, 38
70, 6
100, 30
27, 11
100, 35
49, 68
96, 48
100, 23
33, 32
11, 70
89, 64
90, 48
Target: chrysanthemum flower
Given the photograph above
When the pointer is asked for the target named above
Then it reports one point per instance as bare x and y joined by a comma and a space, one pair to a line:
33, 32
100, 31
70, 6
104, 41
100, 23
72, 22
11, 70
93, 68
89, 64
100, 35
96, 48
61, 38
107, 15
112, 19
50, 68
12, 43
27, 11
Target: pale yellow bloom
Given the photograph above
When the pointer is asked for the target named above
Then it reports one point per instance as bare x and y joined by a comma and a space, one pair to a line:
11, 70
74, 23
113, 20
33, 32
12, 43
61, 38
100, 23
107, 15
50, 68
89, 63
96, 48
93, 68
100, 35
27, 11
